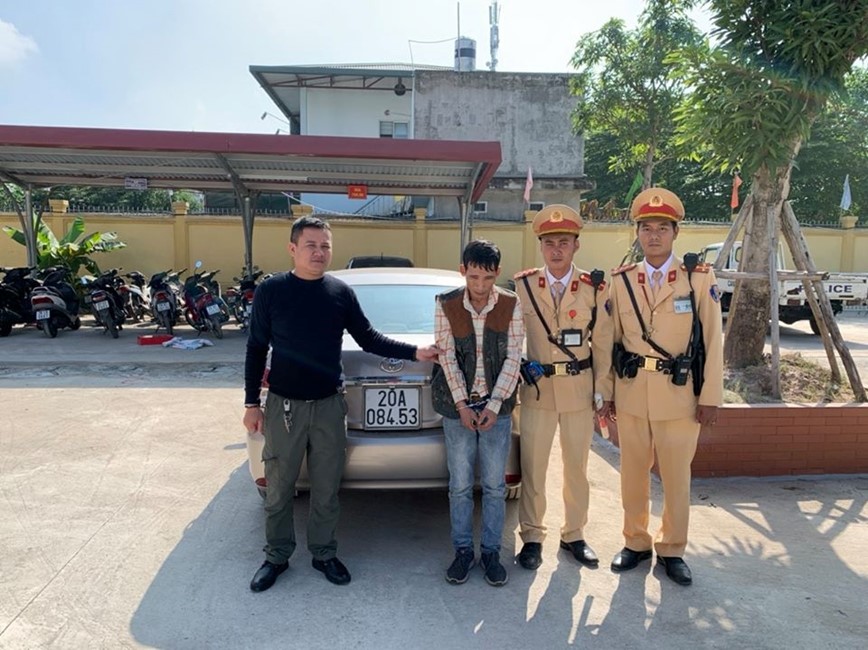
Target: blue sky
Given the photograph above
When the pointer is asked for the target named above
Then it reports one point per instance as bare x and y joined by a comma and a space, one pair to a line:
183, 64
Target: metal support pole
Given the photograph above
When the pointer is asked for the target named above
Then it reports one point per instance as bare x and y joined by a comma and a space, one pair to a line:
247, 219
465, 227
29, 232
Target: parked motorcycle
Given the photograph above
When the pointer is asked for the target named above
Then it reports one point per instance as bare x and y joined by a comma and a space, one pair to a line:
54, 303
106, 302
165, 298
241, 303
15, 291
203, 309
132, 293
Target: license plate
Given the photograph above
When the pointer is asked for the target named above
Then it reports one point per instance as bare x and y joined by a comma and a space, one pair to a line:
249, 309
43, 314
212, 309
392, 408
102, 304
163, 306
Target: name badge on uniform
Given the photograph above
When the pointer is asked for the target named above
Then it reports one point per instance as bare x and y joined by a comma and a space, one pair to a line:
571, 338
682, 306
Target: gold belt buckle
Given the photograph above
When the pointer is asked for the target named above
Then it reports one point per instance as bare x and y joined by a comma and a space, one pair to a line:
560, 369
650, 364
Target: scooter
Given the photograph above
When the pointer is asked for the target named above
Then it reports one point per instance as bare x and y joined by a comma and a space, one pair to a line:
106, 303
15, 297
203, 310
55, 304
165, 299
133, 295
242, 304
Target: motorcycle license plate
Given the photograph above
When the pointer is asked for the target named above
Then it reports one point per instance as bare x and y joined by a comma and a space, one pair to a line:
212, 309
163, 306
102, 304
43, 314
249, 309
392, 408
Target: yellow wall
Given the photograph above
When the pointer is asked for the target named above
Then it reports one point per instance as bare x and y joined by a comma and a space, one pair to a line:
158, 242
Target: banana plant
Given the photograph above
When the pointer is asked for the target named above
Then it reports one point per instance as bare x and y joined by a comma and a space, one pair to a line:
73, 250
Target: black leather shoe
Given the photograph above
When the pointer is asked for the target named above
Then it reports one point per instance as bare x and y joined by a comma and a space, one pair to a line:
627, 559
530, 556
676, 569
334, 570
582, 552
266, 575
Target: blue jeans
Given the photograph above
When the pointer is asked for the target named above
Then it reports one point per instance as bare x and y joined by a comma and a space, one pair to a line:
463, 448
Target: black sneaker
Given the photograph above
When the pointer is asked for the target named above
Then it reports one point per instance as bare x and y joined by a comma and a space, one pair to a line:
495, 572
460, 568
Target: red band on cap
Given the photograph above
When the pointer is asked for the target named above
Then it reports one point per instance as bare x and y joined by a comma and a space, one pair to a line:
663, 210
569, 227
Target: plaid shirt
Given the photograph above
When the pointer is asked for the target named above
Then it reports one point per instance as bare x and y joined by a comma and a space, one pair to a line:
508, 378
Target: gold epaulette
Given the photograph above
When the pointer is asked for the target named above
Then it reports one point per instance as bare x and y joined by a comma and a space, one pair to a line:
623, 269
704, 267
586, 278
525, 273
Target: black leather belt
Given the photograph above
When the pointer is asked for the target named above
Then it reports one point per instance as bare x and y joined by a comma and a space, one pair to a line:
565, 368
653, 364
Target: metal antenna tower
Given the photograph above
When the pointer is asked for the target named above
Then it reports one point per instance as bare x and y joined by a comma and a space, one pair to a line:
494, 39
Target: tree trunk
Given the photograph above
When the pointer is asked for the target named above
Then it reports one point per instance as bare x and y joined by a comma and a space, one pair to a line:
648, 168
749, 312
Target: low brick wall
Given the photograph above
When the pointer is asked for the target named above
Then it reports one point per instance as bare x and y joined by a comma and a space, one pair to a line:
783, 440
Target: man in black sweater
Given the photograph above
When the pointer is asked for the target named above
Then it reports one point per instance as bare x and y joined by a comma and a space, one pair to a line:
302, 315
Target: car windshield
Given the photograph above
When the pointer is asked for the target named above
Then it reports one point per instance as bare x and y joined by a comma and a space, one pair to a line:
400, 309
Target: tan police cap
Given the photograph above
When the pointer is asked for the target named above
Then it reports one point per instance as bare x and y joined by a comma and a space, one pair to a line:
657, 203
557, 218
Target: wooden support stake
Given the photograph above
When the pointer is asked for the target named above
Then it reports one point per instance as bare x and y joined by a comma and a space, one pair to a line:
775, 298
736, 227
782, 275
823, 315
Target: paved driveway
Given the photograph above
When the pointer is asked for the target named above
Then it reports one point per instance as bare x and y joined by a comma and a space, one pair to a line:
127, 519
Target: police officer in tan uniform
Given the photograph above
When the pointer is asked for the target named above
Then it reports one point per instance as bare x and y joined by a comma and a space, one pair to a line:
563, 397
655, 414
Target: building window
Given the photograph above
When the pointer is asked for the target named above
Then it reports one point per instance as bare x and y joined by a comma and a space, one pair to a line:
394, 130
480, 207
536, 205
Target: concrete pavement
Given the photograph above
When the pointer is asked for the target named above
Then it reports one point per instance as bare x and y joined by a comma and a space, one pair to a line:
128, 519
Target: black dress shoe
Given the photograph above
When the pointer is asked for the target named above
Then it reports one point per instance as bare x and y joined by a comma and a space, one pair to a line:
334, 570
266, 575
582, 552
530, 556
627, 559
676, 569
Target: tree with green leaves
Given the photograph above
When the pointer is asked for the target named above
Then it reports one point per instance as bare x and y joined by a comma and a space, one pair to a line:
73, 250
625, 87
153, 200
838, 146
754, 97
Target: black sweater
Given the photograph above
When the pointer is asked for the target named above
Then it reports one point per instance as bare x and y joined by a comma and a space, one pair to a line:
304, 322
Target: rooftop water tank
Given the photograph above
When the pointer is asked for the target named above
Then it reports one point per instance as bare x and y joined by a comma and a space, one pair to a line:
465, 54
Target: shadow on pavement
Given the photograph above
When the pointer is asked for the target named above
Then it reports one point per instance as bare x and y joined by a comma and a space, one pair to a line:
774, 579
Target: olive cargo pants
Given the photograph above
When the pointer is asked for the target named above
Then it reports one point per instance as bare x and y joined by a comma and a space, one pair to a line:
292, 429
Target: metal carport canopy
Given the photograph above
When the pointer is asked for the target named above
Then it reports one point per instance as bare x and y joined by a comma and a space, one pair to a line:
246, 163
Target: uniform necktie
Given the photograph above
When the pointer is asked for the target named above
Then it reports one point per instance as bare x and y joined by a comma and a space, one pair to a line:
656, 283
558, 292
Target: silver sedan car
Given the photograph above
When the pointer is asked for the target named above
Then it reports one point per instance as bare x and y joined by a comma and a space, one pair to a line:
394, 437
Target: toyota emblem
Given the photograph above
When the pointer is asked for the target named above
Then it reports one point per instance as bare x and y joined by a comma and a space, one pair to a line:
391, 365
